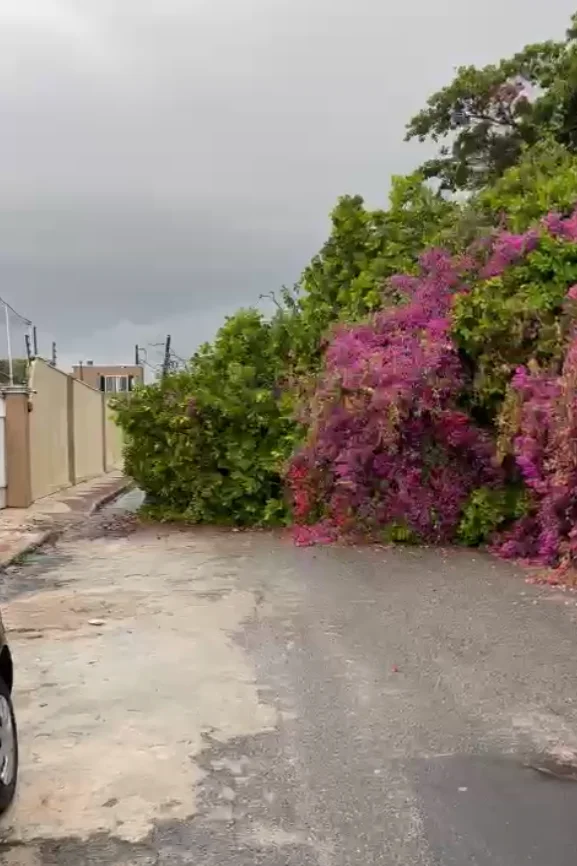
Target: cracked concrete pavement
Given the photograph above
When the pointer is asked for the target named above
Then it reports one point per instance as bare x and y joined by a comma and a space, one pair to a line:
206, 697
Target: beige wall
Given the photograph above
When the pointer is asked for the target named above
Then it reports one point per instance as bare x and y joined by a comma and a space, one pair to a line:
88, 431
113, 438
18, 481
59, 434
49, 445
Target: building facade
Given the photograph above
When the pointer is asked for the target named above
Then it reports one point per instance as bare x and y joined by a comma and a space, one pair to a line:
112, 379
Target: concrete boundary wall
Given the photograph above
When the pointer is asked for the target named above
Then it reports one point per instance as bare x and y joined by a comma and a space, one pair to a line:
49, 430
87, 431
59, 432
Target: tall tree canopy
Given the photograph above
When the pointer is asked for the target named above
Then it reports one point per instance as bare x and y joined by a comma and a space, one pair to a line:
486, 116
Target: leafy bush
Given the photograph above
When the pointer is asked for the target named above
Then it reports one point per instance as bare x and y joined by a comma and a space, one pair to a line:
543, 181
487, 510
207, 445
399, 533
514, 311
345, 281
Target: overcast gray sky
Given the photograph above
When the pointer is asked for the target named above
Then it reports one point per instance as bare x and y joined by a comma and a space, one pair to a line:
165, 161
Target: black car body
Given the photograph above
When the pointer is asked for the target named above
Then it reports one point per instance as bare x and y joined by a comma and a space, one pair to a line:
8, 731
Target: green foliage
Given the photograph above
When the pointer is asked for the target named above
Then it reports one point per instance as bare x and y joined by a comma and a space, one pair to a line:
19, 371
544, 180
399, 533
516, 318
347, 279
325, 287
208, 444
487, 115
489, 510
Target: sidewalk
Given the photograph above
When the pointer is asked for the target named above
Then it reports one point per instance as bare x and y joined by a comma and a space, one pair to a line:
24, 529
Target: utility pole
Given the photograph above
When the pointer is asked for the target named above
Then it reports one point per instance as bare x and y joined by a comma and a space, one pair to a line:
166, 362
35, 341
9, 345
53, 361
137, 355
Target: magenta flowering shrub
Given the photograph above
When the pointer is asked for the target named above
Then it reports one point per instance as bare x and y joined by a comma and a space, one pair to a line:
545, 449
391, 451
515, 311
388, 445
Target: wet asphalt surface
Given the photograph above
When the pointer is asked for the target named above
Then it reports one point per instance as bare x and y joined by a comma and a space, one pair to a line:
247, 702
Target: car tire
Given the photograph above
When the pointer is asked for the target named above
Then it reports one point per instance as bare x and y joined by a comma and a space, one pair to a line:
8, 748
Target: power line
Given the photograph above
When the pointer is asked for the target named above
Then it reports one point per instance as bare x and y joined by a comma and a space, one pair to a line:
16, 313
155, 370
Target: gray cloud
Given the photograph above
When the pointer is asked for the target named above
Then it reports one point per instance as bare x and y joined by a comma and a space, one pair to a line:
164, 161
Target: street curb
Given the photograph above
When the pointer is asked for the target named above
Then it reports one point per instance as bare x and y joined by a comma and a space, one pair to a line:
48, 536
110, 496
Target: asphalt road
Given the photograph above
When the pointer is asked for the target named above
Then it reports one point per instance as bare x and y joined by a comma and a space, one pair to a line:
217, 698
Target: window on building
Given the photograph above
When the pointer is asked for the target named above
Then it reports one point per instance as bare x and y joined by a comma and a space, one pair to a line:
116, 384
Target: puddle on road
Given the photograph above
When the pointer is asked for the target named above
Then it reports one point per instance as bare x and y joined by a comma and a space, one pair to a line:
130, 501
